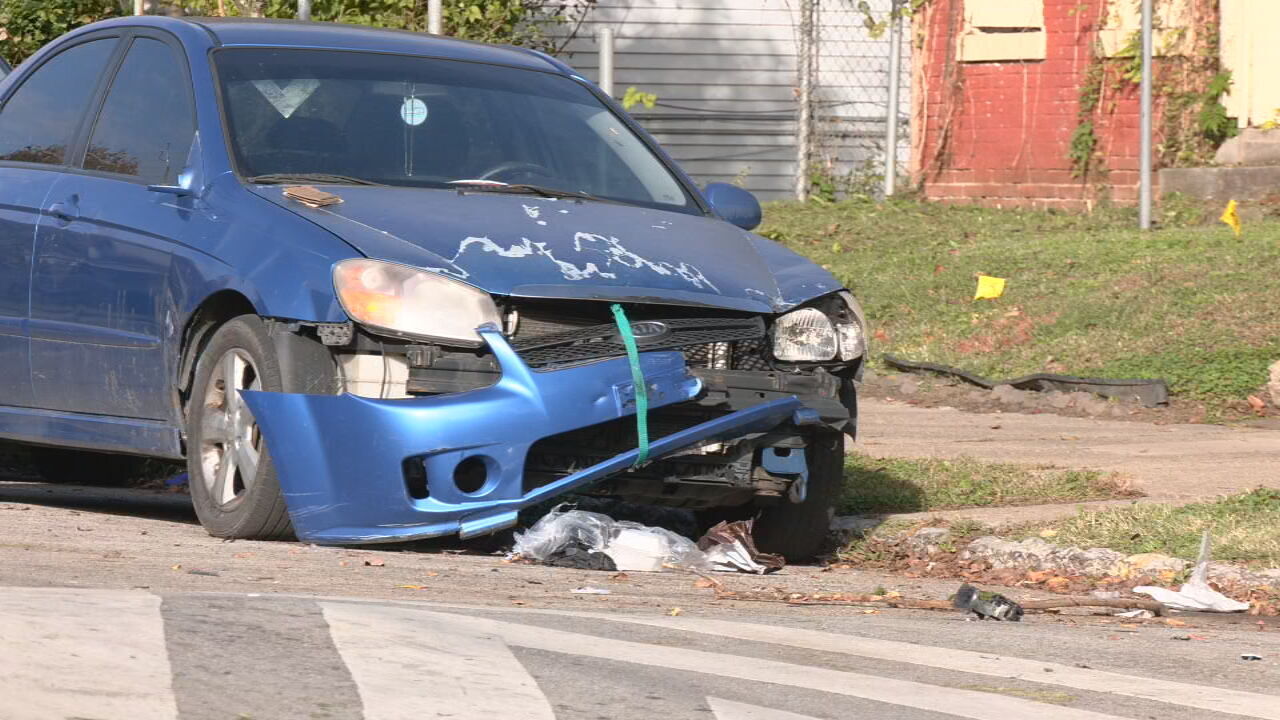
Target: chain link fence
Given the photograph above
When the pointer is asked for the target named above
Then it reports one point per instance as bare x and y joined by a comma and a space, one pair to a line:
854, 100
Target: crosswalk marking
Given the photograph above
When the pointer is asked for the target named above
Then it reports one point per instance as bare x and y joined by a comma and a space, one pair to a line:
934, 698
1204, 697
72, 653
408, 666
729, 710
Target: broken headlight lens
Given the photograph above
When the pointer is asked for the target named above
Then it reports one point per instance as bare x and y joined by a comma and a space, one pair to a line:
804, 335
852, 332
406, 301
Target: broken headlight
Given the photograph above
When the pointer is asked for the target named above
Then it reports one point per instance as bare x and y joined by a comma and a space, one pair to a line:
402, 300
805, 335
851, 329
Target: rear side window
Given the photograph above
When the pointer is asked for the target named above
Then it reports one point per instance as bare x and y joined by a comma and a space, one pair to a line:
146, 124
40, 120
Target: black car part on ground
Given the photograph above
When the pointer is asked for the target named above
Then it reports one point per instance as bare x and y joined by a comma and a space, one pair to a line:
1152, 393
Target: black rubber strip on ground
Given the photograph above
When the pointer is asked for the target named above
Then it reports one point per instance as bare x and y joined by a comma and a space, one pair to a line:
1151, 393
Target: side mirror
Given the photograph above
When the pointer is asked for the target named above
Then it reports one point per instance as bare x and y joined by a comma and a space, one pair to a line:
734, 204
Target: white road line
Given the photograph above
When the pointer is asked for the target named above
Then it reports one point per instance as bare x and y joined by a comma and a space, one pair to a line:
409, 667
1204, 697
83, 653
934, 698
728, 710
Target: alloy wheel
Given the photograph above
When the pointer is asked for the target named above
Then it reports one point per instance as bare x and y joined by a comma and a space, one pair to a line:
230, 442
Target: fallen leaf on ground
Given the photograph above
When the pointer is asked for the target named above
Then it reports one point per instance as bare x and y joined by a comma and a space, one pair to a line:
1256, 403
432, 573
1174, 622
375, 562
703, 583
1057, 582
620, 577
413, 587
243, 555
674, 612
176, 567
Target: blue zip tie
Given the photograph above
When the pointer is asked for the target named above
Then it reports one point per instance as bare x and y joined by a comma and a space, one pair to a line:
637, 379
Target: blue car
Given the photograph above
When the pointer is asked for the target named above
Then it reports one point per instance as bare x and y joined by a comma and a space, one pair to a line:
376, 286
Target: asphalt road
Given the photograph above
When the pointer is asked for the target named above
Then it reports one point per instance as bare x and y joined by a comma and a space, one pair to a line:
99, 654
115, 604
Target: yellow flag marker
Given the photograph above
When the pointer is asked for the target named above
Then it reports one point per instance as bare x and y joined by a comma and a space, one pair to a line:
989, 288
1231, 217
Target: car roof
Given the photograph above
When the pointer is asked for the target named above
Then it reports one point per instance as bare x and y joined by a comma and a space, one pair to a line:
265, 32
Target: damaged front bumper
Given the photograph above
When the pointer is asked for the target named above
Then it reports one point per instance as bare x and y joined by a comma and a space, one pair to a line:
351, 468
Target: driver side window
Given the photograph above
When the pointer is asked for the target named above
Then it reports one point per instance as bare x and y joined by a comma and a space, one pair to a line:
151, 145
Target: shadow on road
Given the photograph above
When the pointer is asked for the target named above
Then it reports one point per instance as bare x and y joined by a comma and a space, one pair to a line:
134, 502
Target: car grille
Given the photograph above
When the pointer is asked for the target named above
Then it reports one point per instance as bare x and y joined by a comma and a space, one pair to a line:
731, 343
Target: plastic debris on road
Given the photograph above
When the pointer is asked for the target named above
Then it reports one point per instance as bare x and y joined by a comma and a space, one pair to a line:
630, 546
1195, 594
588, 590
1142, 614
986, 604
728, 547
584, 540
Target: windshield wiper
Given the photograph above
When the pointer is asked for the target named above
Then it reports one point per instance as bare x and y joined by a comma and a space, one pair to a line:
322, 178
521, 189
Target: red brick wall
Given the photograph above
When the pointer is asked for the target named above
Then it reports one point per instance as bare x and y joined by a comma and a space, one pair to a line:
1000, 133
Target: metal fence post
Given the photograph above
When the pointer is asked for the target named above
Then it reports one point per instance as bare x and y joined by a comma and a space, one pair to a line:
1144, 192
804, 116
605, 38
891, 117
304, 9
435, 17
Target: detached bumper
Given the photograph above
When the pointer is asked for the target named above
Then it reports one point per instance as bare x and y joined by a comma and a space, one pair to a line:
341, 459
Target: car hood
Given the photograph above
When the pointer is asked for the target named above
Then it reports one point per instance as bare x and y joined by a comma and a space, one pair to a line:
537, 247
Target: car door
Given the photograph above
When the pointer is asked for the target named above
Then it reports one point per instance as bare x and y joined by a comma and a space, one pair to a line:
39, 121
100, 306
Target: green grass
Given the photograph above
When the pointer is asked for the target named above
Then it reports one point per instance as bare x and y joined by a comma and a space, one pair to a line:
899, 485
1086, 295
1245, 529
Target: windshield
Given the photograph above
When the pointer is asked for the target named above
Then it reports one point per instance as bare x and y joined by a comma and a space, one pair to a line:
427, 122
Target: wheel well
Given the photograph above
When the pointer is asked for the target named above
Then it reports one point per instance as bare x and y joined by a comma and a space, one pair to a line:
216, 309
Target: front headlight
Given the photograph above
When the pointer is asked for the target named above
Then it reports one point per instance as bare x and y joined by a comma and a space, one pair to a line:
851, 329
805, 335
416, 303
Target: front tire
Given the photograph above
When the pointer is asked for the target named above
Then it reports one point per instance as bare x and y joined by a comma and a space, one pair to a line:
798, 531
233, 483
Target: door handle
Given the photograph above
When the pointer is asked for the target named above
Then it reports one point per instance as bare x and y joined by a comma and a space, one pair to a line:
64, 211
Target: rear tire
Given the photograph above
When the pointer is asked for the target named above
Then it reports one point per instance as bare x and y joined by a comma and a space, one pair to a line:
81, 467
798, 531
232, 480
